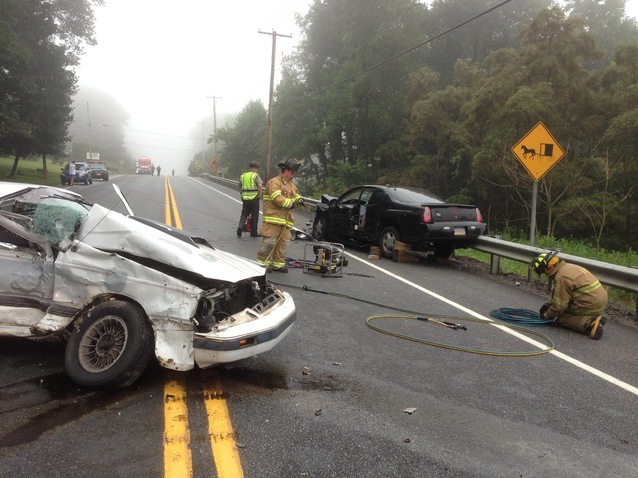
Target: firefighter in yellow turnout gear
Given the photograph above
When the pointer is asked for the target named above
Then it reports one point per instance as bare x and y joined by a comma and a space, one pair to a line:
578, 298
280, 197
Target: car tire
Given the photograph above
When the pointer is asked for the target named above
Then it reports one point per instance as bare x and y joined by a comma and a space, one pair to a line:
444, 251
106, 178
319, 227
91, 180
86, 180
63, 182
389, 235
110, 346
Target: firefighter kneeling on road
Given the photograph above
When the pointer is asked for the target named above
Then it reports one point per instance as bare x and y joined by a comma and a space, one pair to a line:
279, 199
578, 298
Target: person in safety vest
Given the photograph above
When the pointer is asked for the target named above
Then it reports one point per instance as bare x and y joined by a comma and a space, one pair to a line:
280, 198
578, 298
250, 185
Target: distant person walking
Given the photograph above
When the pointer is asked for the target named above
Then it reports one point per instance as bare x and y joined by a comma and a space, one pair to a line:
159, 170
153, 170
250, 185
72, 173
173, 171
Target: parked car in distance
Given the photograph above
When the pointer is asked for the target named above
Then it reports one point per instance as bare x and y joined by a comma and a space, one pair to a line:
83, 174
123, 290
381, 215
99, 170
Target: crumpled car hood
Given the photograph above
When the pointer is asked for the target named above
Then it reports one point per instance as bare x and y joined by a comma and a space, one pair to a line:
111, 231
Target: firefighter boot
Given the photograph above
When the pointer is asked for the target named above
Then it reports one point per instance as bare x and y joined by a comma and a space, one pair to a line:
596, 330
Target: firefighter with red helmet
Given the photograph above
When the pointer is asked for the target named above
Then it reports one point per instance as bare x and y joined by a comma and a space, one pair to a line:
578, 298
280, 197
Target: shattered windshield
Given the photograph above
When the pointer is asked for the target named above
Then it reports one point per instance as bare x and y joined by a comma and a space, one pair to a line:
51, 215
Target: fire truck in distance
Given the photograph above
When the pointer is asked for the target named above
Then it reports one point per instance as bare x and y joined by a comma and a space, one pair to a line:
144, 165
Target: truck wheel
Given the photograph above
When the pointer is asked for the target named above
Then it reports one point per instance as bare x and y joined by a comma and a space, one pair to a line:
388, 237
110, 346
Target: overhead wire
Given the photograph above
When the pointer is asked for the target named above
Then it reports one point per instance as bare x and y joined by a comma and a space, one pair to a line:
398, 55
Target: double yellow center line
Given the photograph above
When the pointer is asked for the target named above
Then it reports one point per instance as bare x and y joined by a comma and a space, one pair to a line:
177, 451
170, 206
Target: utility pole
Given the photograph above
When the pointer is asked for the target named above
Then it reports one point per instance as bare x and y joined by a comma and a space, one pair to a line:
214, 168
203, 159
270, 97
88, 121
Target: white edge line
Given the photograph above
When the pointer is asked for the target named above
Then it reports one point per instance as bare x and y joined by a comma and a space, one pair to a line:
556, 353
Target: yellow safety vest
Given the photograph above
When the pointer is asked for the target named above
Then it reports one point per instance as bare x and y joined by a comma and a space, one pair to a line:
249, 189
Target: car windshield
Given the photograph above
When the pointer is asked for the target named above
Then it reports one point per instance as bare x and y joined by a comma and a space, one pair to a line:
414, 196
78, 167
52, 215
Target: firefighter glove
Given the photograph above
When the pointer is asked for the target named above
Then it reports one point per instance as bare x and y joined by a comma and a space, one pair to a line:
541, 313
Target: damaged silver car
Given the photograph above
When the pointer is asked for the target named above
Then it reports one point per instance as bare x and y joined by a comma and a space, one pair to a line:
121, 289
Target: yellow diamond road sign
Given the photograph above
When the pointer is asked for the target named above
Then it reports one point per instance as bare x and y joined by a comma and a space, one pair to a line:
538, 151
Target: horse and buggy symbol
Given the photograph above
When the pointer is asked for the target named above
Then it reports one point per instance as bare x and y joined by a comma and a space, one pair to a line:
538, 151
545, 150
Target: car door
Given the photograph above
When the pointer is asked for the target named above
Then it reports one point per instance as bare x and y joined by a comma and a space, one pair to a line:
344, 218
27, 279
371, 202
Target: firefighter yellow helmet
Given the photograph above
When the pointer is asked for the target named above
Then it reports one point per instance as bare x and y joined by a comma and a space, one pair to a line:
543, 261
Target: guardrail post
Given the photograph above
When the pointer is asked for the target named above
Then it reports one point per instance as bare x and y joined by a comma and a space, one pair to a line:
495, 262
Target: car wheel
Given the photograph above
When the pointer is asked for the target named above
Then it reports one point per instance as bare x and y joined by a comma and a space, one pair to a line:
63, 182
444, 251
388, 237
319, 227
91, 180
110, 346
106, 178
86, 180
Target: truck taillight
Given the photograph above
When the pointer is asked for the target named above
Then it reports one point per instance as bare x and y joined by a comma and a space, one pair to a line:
479, 217
427, 215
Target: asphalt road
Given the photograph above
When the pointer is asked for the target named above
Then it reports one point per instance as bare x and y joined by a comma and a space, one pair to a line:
336, 398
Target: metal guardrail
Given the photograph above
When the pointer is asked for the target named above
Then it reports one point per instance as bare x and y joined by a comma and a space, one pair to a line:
619, 277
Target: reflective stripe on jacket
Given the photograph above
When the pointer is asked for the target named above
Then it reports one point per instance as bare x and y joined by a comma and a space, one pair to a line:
279, 199
576, 291
248, 184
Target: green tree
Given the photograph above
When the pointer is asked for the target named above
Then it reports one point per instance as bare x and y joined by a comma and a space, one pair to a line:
105, 133
476, 40
245, 141
352, 99
607, 22
39, 43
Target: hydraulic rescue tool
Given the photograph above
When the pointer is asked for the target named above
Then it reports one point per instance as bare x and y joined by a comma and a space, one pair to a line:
328, 261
